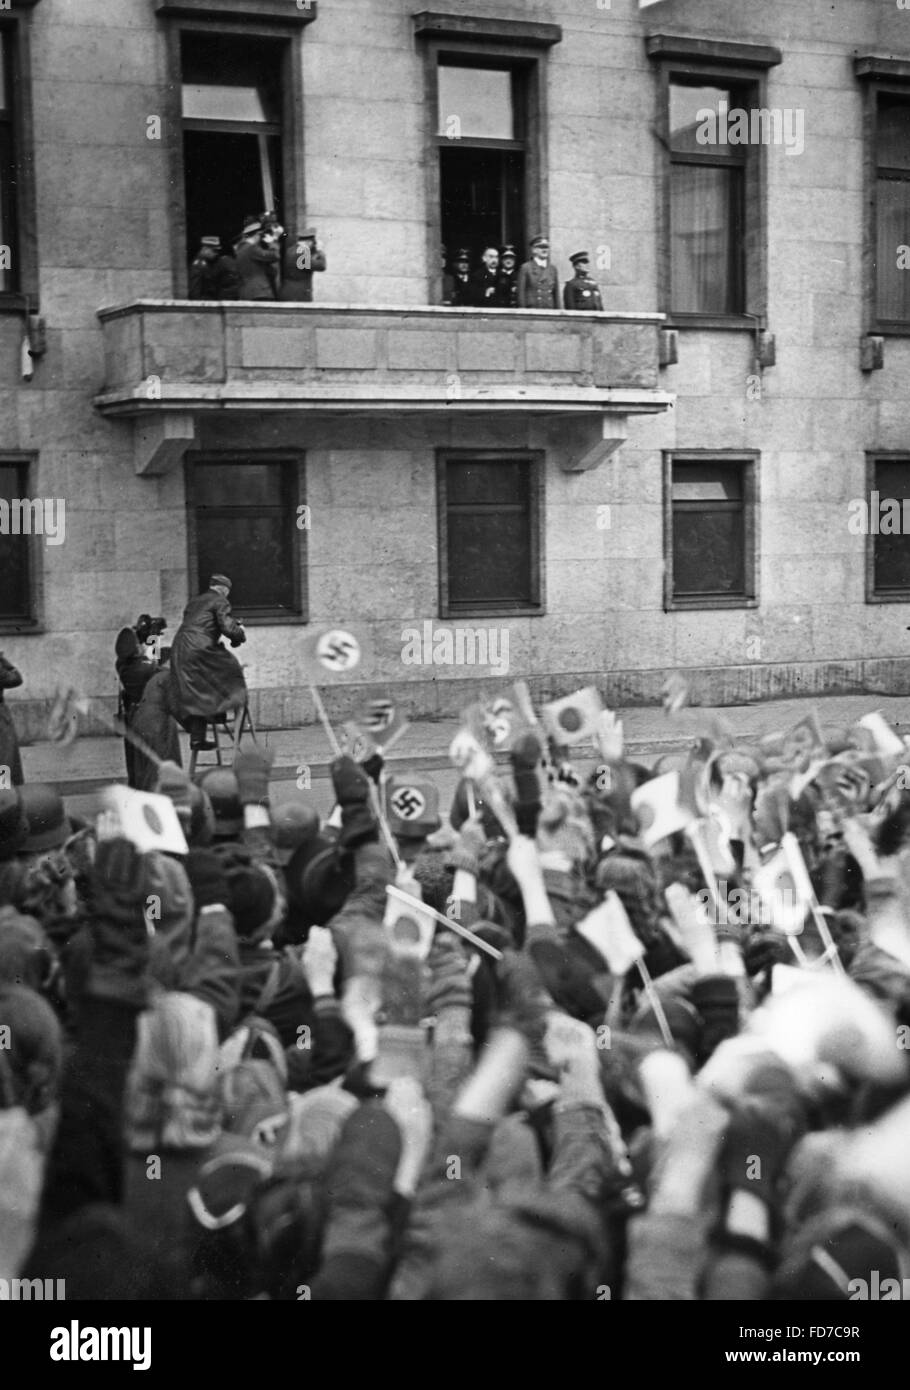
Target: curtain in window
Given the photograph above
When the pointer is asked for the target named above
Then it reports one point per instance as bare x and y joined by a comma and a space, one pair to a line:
702, 233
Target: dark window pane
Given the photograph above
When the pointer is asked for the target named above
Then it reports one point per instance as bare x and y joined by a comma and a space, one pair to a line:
481, 199
4, 59
478, 483
706, 220
232, 61
227, 178
238, 485
893, 133
476, 103
254, 551
891, 561
893, 232
14, 550
708, 552
489, 558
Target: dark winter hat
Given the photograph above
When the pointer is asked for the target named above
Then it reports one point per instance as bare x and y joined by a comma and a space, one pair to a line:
221, 787
319, 878
13, 825
253, 893
48, 824
294, 823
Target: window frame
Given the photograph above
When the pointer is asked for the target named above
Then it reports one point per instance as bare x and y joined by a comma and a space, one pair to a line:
491, 45
732, 65
536, 458
287, 458
873, 458
879, 86
748, 461
292, 126
33, 624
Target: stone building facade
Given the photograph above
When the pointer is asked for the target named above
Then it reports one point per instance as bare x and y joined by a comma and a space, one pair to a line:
663, 485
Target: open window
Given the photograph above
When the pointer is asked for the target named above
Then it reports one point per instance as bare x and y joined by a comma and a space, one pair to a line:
232, 104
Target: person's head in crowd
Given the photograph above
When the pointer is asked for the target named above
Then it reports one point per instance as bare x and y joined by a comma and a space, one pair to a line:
461, 262
490, 259
540, 250
508, 259
13, 824
32, 1059
172, 1093
220, 786
49, 827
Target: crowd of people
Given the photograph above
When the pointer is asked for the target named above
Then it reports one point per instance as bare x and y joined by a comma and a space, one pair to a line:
226, 1073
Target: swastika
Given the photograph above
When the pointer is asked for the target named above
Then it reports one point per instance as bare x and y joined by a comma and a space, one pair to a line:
338, 651
408, 803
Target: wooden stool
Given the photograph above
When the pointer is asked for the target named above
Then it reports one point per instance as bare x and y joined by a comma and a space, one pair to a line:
243, 723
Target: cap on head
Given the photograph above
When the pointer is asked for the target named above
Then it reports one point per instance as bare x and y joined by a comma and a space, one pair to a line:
252, 225
220, 579
294, 823
540, 241
308, 234
509, 251
580, 258
211, 241
462, 254
221, 787
48, 824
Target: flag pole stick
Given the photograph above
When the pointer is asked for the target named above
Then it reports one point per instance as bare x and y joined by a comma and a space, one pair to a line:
449, 922
374, 795
654, 1001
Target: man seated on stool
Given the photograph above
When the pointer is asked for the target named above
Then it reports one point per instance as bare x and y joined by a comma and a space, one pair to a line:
207, 680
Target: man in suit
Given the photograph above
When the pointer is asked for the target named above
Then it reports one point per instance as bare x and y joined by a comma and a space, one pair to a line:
206, 679
581, 292
538, 283
508, 278
485, 281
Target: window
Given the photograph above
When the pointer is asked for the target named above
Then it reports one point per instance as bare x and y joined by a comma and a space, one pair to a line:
710, 526
481, 137
707, 202
244, 515
892, 203
17, 549
486, 123
713, 127
9, 238
231, 102
489, 533
888, 544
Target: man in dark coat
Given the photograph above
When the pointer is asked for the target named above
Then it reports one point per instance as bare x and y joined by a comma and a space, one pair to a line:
135, 668
300, 260
212, 274
461, 280
485, 281
538, 283
508, 278
207, 680
9, 743
257, 256
582, 292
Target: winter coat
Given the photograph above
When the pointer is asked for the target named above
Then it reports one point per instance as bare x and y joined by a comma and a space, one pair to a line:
206, 680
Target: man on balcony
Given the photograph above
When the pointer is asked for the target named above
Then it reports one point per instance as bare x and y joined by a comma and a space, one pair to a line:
301, 259
538, 283
485, 291
257, 256
581, 292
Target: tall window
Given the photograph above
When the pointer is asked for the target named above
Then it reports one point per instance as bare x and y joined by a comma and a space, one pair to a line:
892, 173
232, 132
244, 521
481, 133
15, 550
489, 533
707, 200
9, 239
889, 539
710, 560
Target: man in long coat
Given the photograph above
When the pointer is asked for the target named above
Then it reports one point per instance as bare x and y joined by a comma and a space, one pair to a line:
206, 679
538, 282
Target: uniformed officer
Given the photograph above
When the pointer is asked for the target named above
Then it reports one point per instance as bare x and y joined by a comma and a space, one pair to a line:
538, 283
508, 278
582, 292
298, 264
462, 288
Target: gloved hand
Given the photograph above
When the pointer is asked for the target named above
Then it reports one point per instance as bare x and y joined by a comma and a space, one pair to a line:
119, 931
253, 768
205, 871
352, 792
525, 758
716, 998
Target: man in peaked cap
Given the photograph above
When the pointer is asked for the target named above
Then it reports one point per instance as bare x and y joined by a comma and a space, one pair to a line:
212, 274
301, 259
581, 292
538, 283
508, 278
461, 278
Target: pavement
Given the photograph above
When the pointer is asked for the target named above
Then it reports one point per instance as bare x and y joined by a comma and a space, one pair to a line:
302, 755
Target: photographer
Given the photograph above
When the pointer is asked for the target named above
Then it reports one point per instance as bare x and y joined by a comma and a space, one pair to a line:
136, 663
257, 255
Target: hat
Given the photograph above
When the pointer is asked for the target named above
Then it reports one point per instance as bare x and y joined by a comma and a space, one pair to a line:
48, 824
255, 895
579, 256
319, 879
309, 234
211, 241
251, 225
412, 807
508, 251
462, 254
221, 787
220, 579
294, 823
540, 241
13, 825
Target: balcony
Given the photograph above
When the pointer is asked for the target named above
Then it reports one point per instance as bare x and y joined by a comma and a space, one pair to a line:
168, 360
